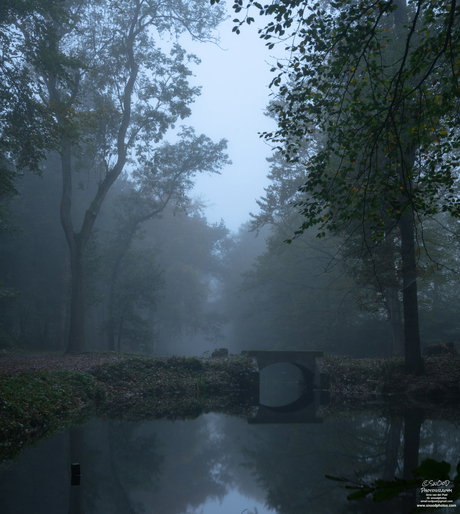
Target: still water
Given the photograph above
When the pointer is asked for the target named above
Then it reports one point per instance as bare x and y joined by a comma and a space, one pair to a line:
216, 464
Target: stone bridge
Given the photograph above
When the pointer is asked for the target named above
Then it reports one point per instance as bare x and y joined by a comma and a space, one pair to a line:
303, 410
304, 360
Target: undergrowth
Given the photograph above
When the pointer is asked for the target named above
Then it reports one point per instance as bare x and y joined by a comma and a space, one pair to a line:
38, 403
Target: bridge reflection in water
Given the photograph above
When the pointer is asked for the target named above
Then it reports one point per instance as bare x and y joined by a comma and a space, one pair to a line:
312, 387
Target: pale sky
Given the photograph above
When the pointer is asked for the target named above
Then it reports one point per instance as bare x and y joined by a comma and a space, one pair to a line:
235, 93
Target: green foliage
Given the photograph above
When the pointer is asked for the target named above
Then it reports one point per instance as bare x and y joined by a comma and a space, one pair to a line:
168, 173
27, 124
163, 179
361, 377
36, 404
86, 59
190, 363
371, 90
190, 259
429, 470
378, 91
297, 296
142, 387
200, 386
138, 284
88, 79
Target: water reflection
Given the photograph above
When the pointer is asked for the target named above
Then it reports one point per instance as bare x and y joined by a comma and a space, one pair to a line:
219, 464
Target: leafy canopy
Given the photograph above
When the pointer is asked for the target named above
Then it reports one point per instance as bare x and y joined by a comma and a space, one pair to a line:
378, 80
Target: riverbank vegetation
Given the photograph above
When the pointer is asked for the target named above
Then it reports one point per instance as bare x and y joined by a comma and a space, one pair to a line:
36, 403
383, 386
365, 378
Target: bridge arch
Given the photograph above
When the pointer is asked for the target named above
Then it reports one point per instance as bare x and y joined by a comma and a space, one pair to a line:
304, 408
303, 360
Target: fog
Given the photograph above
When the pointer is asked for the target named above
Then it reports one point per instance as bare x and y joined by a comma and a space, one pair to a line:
151, 247
141, 212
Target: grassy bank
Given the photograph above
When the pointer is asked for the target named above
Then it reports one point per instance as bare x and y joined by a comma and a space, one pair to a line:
34, 404
384, 380
38, 403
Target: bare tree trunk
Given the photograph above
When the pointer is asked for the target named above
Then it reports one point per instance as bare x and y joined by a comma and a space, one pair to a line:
77, 247
413, 362
393, 306
63, 308
77, 302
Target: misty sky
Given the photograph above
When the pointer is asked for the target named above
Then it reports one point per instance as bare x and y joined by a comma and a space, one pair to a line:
235, 93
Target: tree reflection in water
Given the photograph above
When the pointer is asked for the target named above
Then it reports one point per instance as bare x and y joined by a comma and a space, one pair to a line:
192, 466
402, 494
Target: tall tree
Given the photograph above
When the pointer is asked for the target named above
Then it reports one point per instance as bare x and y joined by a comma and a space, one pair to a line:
103, 71
167, 177
380, 81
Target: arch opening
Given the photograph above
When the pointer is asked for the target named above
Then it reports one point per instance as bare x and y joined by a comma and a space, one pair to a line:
283, 384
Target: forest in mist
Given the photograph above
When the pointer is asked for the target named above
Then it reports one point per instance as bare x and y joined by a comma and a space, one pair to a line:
105, 246
184, 286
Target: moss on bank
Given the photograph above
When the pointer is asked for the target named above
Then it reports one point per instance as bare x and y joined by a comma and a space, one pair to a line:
36, 404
